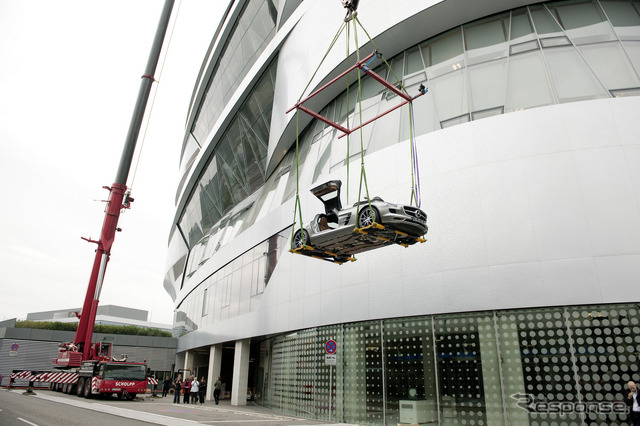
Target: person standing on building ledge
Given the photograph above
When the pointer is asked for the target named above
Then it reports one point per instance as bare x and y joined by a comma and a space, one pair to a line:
217, 386
632, 402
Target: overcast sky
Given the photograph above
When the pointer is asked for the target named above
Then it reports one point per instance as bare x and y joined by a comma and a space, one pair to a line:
69, 77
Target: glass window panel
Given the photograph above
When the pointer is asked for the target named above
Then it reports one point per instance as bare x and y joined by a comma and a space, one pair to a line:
611, 65
544, 23
632, 49
524, 47
488, 75
410, 371
450, 95
413, 60
625, 92
521, 28
574, 14
624, 17
254, 29
486, 33
527, 84
415, 80
322, 164
446, 47
605, 339
583, 22
572, 79
369, 88
477, 115
426, 54
455, 121
363, 381
467, 364
554, 41
381, 133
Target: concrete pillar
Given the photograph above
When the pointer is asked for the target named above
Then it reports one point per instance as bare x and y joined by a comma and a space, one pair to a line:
240, 372
215, 364
188, 364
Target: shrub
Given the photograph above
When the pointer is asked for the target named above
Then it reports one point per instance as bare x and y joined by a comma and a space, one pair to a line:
105, 329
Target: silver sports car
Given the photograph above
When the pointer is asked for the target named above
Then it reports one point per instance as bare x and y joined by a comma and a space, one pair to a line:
363, 226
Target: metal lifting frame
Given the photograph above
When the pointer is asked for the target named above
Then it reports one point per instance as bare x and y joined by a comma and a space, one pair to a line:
363, 65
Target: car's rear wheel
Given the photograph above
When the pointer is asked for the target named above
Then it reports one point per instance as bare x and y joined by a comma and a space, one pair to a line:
301, 238
368, 215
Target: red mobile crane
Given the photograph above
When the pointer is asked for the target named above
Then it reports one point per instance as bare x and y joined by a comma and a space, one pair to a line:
83, 367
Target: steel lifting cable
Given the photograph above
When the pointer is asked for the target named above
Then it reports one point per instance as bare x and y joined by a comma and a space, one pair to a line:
297, 206
153, 99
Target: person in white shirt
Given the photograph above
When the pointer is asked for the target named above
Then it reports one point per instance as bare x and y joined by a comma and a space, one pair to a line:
631, 399
195, 388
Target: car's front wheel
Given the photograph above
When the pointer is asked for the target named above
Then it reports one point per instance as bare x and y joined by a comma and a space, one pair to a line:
300, 238
367, 217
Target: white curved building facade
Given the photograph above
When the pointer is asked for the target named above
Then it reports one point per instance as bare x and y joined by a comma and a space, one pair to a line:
525, 294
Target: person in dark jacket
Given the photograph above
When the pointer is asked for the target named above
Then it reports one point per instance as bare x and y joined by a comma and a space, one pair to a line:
203, 389
217, 387
186, 386
177, 387
631, 399
166, 385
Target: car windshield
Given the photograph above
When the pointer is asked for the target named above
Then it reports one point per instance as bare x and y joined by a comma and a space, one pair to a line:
124, 372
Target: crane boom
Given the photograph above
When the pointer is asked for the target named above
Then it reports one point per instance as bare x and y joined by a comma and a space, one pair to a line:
118, 197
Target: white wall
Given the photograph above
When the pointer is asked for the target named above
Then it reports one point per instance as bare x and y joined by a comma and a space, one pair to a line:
535, 208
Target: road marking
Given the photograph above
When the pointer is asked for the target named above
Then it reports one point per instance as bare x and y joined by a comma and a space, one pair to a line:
27, 422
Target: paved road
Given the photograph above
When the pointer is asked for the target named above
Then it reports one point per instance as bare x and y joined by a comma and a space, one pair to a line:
47, 408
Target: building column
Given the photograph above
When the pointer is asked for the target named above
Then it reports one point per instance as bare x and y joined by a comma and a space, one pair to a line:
215, 364
240, 372
188, 364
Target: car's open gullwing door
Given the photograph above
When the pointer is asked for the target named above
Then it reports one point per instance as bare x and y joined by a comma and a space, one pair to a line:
329, 194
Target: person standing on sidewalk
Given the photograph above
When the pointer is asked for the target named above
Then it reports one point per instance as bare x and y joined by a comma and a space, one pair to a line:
195, 390
186, 385
203, 389
217, 386
177, 387
166, 384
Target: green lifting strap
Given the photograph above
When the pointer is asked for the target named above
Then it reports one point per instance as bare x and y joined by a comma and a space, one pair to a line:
415, 196
297, 206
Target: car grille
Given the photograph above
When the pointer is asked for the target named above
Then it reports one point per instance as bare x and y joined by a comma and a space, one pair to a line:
416, 214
